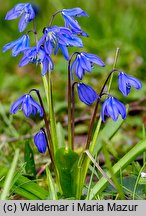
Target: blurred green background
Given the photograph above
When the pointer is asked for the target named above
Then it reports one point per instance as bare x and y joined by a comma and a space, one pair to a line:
111, 24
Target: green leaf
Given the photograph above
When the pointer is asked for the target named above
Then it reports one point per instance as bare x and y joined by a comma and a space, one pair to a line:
51, 186
29, 160
66, 162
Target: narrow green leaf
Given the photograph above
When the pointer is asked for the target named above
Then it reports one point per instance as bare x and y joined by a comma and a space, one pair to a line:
49, 97
51, 186
7, 184
25, 194
31, 187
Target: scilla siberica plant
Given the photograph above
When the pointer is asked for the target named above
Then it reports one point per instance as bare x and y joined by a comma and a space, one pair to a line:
70, 169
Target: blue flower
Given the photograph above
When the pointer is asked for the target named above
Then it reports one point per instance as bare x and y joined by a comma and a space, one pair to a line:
126, 82
37, 56
86, 94
112, 107
18, 45
58, 38
84, 62
52, 36
28, 105
40, 141
25, 10
70, 22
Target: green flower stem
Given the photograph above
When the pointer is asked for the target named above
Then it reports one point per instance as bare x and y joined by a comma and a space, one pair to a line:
114, 65
72, 114
45, 82
70, 139
120, 165
70, 97
52, 115
92, 125
48, 91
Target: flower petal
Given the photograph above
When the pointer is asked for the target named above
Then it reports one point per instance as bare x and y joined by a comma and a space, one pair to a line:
26, 106
72, 23
134, 82
22, 23
78, 12
16, 105
36, 105
122, 84
121, 108
94, 58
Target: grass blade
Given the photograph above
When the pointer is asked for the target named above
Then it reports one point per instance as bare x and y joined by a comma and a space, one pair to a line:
9, 178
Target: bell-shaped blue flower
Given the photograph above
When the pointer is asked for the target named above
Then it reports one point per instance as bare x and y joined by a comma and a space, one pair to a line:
113, 107
52, 36
37, 56
28, 105
18, 45
71, 22
58, 38
25, 10
84, 62
125, 82
86, 94
40, 141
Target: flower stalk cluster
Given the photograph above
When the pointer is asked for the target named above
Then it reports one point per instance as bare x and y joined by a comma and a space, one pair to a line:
53, 39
